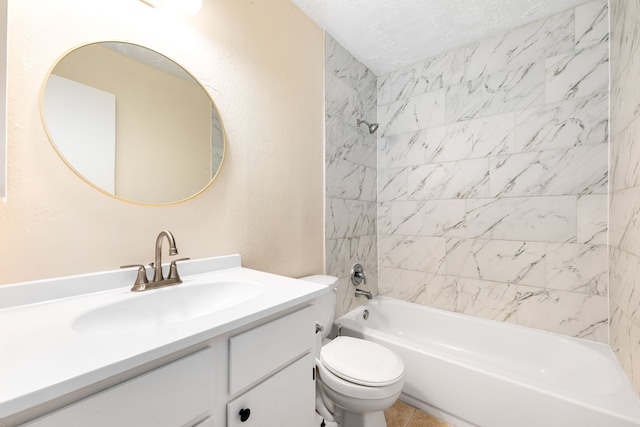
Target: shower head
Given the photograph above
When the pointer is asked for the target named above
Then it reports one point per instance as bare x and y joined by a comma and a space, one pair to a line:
373, 127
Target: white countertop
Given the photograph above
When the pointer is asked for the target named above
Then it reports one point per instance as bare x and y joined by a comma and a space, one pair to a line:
42, 357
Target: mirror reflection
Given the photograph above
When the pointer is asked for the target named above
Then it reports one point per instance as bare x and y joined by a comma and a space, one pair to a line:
133, 123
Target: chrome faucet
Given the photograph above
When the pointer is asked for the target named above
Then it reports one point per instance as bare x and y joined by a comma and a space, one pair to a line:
363, 293
142, 283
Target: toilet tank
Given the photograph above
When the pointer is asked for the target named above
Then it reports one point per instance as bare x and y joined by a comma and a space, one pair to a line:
325, 305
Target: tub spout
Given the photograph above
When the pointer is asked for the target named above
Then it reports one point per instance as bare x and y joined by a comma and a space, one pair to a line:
363, 293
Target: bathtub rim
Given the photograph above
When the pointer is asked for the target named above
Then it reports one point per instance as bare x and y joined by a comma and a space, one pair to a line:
619, 404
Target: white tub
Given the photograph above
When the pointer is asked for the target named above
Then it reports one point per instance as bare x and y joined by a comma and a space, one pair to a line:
477, 372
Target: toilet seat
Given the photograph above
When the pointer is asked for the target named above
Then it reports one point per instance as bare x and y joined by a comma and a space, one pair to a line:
333, 384
361, 362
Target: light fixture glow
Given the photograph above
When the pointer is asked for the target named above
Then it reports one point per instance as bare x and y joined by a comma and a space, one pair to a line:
192, 7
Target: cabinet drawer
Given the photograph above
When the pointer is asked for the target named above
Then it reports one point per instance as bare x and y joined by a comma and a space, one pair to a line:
260, 351
171, 395
287, 399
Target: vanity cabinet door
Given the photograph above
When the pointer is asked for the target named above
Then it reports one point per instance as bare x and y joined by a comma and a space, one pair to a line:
287, 399
173, 395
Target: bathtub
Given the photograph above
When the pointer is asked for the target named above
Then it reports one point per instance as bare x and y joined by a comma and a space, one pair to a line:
476, 372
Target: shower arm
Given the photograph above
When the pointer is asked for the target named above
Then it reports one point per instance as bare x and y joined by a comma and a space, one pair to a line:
373, 127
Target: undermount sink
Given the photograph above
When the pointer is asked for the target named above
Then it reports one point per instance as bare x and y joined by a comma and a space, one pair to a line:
158, 307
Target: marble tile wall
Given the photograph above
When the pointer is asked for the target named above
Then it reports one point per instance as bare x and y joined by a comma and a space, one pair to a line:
350, 229
624, 187
493, 177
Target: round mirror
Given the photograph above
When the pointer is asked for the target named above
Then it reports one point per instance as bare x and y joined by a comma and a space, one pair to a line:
133, 123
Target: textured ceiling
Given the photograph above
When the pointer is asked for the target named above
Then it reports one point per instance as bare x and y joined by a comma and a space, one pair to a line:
389, 34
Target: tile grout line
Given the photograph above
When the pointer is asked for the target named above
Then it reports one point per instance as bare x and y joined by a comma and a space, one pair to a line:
413, 413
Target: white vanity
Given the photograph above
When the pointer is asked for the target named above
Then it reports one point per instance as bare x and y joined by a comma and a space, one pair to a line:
229, 346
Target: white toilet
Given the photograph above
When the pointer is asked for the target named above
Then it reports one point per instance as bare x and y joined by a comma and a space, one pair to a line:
357, 379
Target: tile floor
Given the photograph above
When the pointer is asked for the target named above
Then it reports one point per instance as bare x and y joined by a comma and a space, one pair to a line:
403, 415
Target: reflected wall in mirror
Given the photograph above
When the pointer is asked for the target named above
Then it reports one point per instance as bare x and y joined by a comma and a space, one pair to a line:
133, 123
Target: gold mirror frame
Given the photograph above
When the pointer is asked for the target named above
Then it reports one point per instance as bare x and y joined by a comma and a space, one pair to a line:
163, 169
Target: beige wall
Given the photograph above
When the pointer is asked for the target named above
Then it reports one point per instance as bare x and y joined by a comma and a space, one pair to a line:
262, 62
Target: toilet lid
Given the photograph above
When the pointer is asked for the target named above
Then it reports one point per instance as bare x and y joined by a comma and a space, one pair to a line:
361, 362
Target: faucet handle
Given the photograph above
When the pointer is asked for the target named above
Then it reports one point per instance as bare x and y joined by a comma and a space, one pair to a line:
141, 279
357, 275
173, 269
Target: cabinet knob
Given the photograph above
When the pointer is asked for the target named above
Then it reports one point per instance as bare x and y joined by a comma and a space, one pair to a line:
244, 414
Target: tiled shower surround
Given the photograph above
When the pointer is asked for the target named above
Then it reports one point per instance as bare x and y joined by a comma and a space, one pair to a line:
493, 174
350, 179
624, 211
492, 177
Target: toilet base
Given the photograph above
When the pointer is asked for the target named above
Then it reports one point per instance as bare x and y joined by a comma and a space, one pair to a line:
366, 419
322, 422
